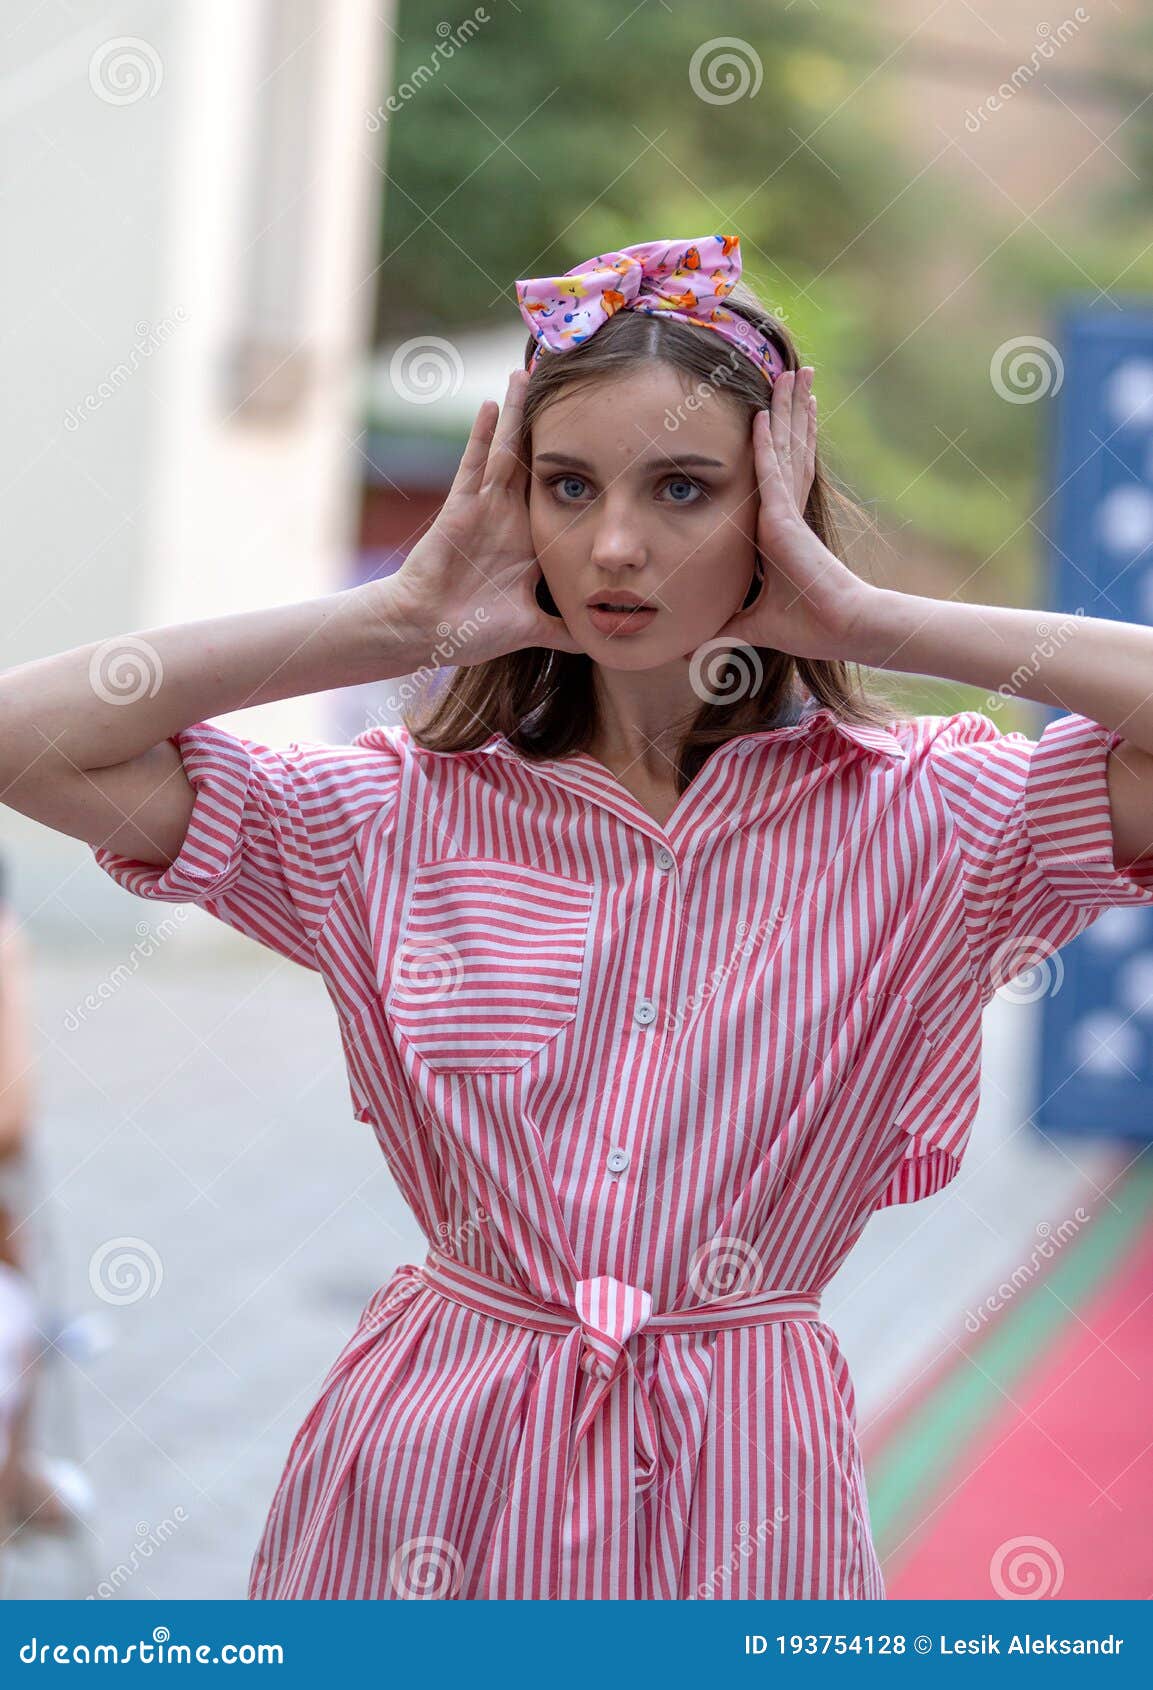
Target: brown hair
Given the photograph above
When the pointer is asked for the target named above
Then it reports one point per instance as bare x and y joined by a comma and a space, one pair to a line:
543, 701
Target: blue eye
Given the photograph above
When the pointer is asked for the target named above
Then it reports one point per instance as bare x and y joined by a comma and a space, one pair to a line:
673, 480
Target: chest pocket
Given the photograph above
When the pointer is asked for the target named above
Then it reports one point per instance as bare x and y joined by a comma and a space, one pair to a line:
491, 963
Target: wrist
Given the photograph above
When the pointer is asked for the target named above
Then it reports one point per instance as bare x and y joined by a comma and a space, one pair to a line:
395, 637
875, 632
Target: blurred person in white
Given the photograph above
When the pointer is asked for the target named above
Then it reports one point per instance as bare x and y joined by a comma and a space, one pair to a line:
38, 1492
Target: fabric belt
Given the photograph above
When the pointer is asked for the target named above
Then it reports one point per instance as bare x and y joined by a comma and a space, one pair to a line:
585, 1457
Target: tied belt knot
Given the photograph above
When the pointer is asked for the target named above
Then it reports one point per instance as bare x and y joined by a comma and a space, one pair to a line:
609, 1313
603, 1435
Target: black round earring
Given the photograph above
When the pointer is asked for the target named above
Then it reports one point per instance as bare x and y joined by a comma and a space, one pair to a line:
544, 598
754, 584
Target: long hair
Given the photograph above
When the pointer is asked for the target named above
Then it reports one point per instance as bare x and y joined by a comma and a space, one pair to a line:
543, 701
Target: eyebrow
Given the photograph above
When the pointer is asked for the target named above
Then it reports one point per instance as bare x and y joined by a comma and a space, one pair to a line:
677, 462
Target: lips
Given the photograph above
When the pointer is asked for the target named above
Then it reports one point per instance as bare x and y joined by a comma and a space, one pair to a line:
609, 617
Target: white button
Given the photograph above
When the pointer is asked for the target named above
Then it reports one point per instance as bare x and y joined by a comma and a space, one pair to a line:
745, 746
646, 1011
617, 1160
665, 859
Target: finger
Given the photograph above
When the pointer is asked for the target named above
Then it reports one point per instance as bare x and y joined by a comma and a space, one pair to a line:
768, 464
470, 470
505, 459
793, 464
810, 449
798, 423
781, 401
799, 417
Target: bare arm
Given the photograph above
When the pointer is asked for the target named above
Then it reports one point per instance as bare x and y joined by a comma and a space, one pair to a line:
84, 735
81, 752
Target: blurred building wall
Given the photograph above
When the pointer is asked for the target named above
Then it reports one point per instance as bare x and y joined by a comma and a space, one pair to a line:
189, 228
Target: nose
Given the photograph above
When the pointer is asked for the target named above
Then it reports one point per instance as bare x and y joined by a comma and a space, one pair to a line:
610, 1312
619, 540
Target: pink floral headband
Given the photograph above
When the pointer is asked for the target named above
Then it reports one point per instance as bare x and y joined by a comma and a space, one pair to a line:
662, 279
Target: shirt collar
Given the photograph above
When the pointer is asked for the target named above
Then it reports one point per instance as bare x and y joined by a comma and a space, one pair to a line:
875, 741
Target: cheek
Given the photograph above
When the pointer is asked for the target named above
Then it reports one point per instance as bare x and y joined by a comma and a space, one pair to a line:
543, 520
721, 569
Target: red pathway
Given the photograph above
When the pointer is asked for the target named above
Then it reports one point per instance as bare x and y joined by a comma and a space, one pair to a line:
1054, 1496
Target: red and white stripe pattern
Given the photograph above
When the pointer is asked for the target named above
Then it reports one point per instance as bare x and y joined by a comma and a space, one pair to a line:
642, 1086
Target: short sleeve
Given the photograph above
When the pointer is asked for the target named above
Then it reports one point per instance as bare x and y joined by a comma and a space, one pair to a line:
271, 833
1035, 837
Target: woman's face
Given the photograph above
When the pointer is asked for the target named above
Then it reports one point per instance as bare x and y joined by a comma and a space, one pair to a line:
635, 487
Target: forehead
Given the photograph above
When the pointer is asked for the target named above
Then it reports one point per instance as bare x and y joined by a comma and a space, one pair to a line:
656, 409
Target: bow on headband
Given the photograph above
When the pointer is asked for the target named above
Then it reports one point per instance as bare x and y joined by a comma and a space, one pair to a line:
661, 278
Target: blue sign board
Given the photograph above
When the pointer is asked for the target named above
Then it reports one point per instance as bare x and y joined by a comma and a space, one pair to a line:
1096, 1059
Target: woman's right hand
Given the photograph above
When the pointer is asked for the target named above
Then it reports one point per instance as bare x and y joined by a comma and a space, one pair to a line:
472, 577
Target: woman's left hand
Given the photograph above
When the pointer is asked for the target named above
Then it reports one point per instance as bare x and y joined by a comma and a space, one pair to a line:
809, 604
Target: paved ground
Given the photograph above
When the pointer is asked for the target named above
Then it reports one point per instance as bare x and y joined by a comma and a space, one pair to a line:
199, 1112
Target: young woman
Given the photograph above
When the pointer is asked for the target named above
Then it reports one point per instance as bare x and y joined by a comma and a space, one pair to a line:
658, 948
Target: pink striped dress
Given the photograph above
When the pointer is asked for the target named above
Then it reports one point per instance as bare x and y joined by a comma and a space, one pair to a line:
642, 1087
